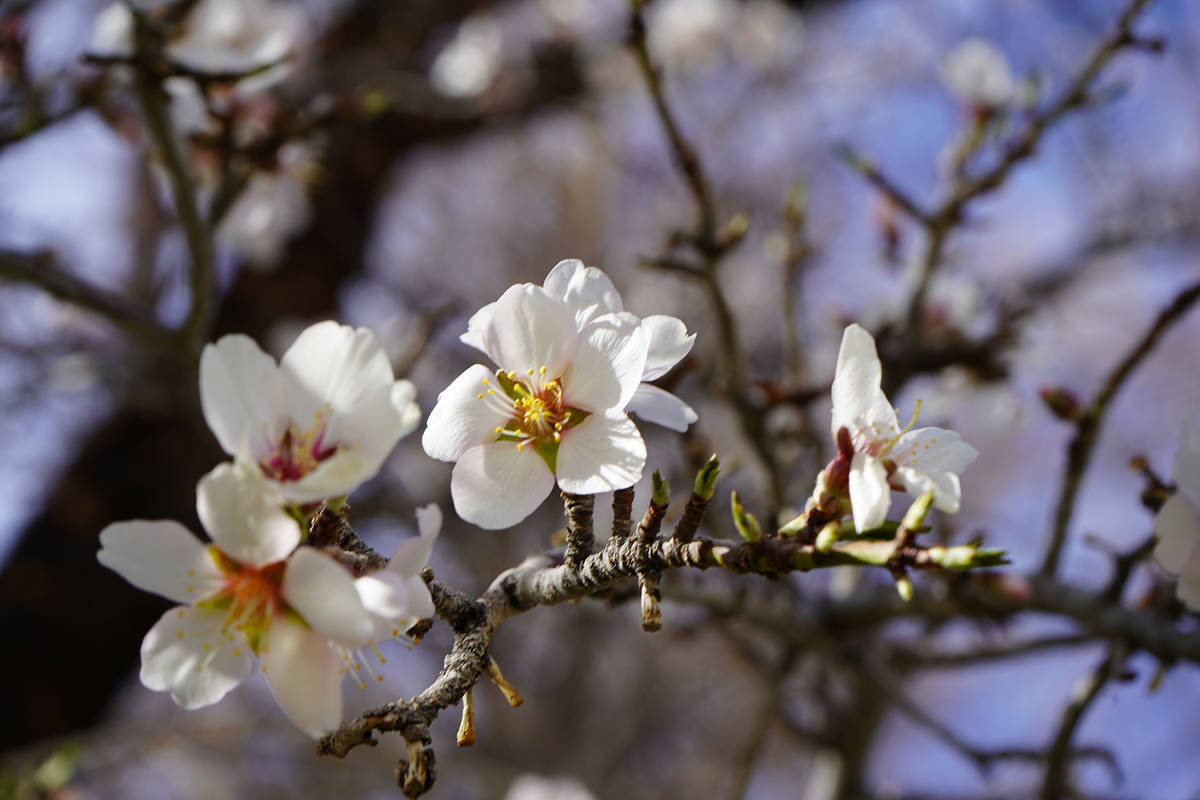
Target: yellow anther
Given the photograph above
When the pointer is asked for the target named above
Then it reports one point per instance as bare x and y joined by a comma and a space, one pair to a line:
520, 446
542, 370
529, 371
178, 634
204, 646
480, 396
557, 436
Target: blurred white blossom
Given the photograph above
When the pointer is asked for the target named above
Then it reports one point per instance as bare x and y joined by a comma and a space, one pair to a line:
1177, 525
978, 73
469, 62
530, 786
271, 209
235, 36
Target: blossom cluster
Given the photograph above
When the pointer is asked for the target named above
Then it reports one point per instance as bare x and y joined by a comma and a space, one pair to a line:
569, 367
251, 45
301, 432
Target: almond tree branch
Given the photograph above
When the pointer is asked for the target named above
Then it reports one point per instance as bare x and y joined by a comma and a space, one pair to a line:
1055, 783
39, 269
196, 231
544, 579
949, 214
1079, 452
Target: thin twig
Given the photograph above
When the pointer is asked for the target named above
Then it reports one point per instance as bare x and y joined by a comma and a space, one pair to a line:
39, 269
1055, 783
1079, 452
202, 275
1075, 96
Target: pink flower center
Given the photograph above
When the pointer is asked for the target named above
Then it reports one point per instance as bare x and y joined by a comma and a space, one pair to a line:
298, 452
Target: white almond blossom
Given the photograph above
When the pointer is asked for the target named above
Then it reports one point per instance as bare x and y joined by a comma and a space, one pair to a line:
396, 596
318, 423
1177, 525
555, 410
590, 293
252, 592
531, 786
978, 73
239, 36
217, 36
271, 209
884, 454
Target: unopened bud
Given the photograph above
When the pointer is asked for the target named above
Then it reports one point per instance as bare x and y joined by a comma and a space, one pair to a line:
828, 536
660, 492
1062, 403
746, 524
706, 478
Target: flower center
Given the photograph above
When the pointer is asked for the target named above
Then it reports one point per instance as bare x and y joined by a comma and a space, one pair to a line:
298, 452
251, 598
535, 408
876, 441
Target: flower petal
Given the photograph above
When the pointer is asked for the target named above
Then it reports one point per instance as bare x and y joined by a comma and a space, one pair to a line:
870, 496
602, 453
1188, 589
412, 556
946, 488
496, 485
934, 450
333, 365
608, 365
160, 556
462, 419
1177, 527
188, 654
529, 330
669, 342
242, 513
1187, 460
365, 437
476, 325
858, 400
305, 675
587, 290
241, 395
661, 407
336, 476
323, 592
395, 602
